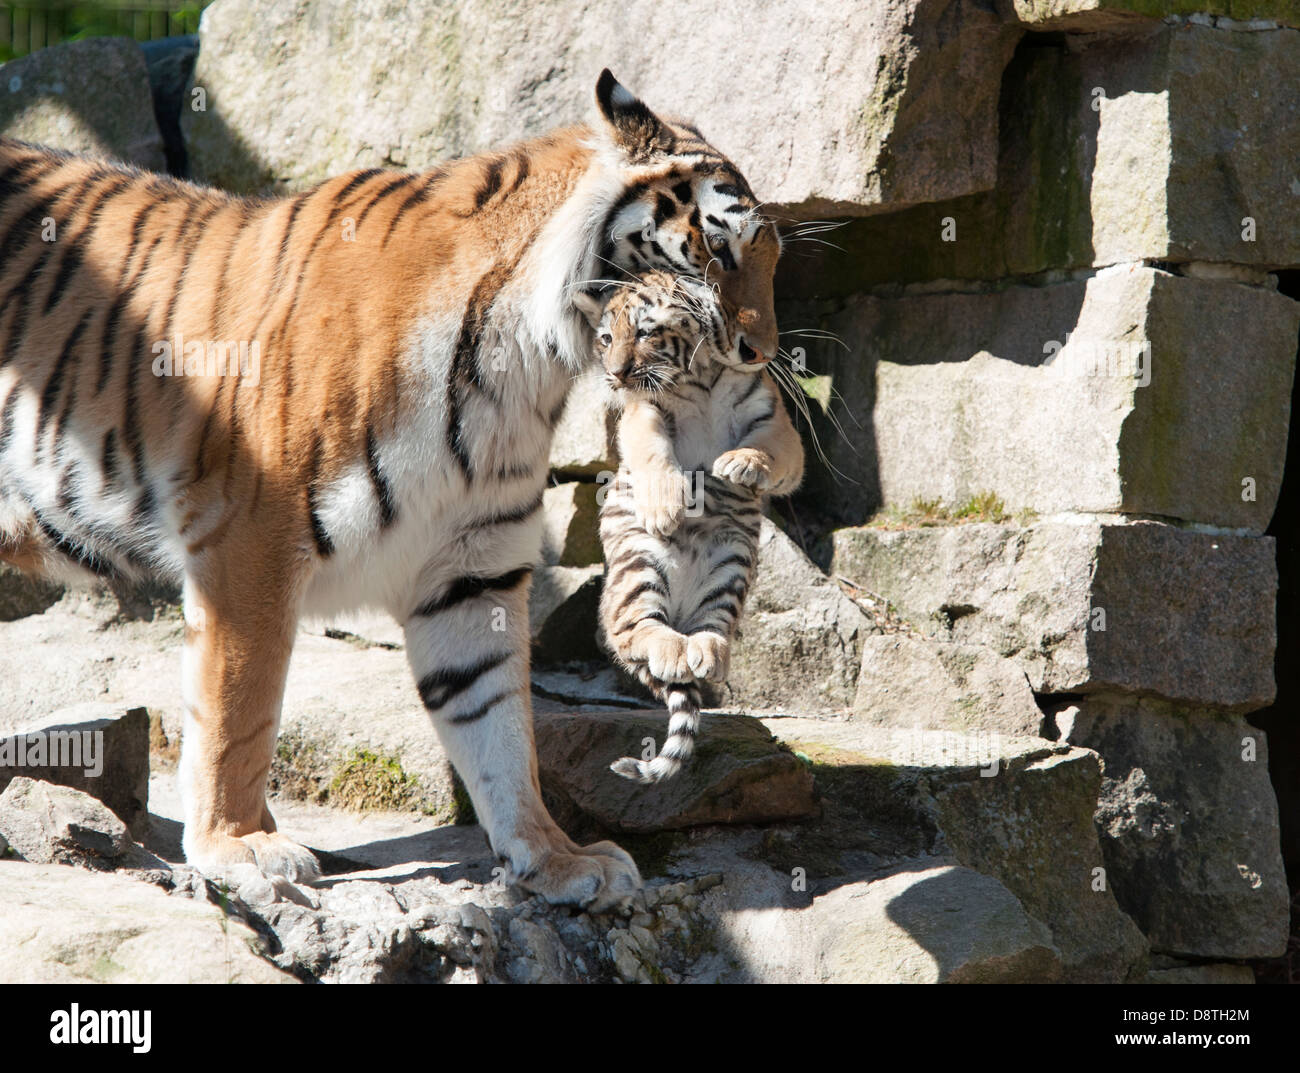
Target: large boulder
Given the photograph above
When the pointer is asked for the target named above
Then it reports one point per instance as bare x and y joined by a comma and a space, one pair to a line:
1084, 395
800, 641
1028, 827
95, 747
1018, 810
90, 97
1088, 605
1188, 823
880, 105
943, 925
48, 824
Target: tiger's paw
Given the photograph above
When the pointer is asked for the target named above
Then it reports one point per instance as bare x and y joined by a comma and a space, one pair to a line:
746, 466
709, 656
597, 878
255, 889
272, 855
665, 655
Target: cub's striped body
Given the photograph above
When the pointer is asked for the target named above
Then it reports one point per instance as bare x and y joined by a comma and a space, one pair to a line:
700, 422
414, 336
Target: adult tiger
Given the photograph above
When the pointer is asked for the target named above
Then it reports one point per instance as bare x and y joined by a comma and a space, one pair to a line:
405, 345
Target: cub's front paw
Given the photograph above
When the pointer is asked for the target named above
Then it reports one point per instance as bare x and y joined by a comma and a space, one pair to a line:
746, 466
660, 502
665, 653
709, 656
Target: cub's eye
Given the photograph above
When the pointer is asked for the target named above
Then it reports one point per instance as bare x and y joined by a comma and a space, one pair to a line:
605, 338
644, 333
717, 242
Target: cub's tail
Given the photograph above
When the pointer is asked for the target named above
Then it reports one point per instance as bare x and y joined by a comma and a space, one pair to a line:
683, 700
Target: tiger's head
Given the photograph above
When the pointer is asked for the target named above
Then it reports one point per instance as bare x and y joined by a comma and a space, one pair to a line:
686, 209
651, 333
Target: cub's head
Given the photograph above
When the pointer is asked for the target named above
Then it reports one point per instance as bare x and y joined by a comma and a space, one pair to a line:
685, 209
651, 333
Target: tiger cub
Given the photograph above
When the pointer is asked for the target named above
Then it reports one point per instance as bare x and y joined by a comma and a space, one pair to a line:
703, 436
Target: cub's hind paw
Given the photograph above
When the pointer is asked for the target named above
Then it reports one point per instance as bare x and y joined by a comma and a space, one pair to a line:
665, 656
709, 656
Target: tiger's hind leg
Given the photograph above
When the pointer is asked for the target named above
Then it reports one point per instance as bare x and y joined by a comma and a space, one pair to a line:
240, 618
635, 615
711, 624
468, 645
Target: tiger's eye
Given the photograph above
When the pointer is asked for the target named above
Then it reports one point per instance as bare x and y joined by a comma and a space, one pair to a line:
717, 243
606, 338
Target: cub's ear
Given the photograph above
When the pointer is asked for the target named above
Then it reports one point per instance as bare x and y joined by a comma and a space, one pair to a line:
591, 306
635, 129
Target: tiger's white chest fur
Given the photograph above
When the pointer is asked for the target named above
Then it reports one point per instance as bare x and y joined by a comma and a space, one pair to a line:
466, 465
449, 524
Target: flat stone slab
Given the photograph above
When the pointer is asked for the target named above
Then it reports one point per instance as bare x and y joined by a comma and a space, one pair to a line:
90, 97
907, 681
938, 925
1088, 605
1087, 395
739, 773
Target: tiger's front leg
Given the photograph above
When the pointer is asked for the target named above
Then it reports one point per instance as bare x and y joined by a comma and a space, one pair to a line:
240, 620
468, 645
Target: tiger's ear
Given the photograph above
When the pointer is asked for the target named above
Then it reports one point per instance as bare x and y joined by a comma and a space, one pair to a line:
635, 129
591, 306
